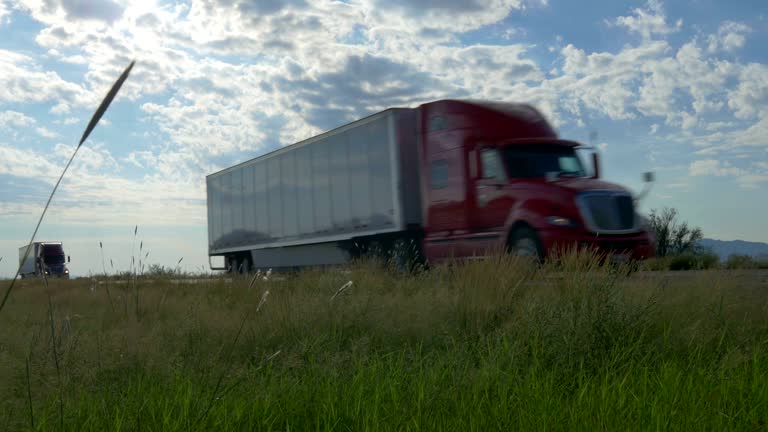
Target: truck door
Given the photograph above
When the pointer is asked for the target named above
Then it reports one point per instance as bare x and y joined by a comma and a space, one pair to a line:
493, 200
446, 212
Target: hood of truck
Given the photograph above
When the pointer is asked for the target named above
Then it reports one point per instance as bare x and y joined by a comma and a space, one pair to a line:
587, 184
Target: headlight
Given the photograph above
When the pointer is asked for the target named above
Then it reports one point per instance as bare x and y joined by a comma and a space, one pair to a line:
66, 271
560, 221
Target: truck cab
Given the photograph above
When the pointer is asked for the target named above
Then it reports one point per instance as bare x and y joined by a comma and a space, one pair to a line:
497, 176
44, 259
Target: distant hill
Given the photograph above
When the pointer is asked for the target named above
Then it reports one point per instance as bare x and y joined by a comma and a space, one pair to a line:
724, 249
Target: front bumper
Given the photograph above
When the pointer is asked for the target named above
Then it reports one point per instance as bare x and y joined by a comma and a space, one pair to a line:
637, 246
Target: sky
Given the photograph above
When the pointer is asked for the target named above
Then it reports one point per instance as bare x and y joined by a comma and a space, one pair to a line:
679, 88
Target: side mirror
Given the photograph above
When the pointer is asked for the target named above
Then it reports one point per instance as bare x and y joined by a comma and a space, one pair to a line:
649, 177
596, 165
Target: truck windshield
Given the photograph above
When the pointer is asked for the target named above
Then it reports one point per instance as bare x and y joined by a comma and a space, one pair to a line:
53, 254
54, 259
528, 161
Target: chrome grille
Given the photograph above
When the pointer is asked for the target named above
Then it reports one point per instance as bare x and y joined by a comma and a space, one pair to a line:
608, 212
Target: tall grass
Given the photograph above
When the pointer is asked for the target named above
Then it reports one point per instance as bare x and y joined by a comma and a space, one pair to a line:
488, 345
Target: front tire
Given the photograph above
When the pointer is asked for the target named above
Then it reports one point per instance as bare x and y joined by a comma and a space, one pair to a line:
526, 243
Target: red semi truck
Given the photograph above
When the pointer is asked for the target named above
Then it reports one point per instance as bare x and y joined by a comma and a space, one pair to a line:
450, 179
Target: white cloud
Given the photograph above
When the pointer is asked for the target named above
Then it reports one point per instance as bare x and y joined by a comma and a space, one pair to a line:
752, 181
61, 108
24, 163
298, 74
713, 126
648, 22
689, 71
5, 12
90, 158
45, 133
746, 178
688, 121
754, 135
421, 15
510, 34
730, 37
713, 167
142, 159
15, 119
48, 11
92, 193
77, 59
751, 95
21, 81
605, 82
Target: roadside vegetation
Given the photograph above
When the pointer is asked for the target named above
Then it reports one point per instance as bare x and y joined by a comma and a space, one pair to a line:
489, 345
677, 247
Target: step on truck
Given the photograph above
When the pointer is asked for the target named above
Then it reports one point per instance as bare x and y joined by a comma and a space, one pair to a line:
450, 179
44, 258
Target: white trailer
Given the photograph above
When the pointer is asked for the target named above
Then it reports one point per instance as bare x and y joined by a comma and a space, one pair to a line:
313, 202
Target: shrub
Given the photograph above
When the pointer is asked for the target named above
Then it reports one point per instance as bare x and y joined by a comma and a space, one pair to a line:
686, 261
672, 236
741, 261
707, 260
656, 264
693, 261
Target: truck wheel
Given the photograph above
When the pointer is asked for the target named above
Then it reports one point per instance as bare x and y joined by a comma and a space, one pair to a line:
525, 242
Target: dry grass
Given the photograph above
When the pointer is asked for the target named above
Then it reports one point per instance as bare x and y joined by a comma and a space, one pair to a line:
201, 353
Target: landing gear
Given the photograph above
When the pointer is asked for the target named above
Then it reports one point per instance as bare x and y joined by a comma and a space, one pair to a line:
239, 264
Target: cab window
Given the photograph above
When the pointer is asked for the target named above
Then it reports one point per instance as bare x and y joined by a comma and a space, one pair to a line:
491, 167
439, 173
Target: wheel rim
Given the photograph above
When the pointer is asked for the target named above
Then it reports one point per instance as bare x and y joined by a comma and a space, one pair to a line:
526, 247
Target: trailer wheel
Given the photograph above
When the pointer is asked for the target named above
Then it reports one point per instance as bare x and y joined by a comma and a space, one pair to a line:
525, 242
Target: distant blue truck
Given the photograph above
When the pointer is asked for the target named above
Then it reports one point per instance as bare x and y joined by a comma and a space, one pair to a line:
44, 258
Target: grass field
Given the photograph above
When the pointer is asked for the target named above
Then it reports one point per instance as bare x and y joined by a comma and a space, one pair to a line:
491, 345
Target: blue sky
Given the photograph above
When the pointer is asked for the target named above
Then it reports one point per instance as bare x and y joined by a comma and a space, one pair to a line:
679, 88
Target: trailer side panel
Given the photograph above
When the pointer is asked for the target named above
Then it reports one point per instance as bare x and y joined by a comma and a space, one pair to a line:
346, 183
